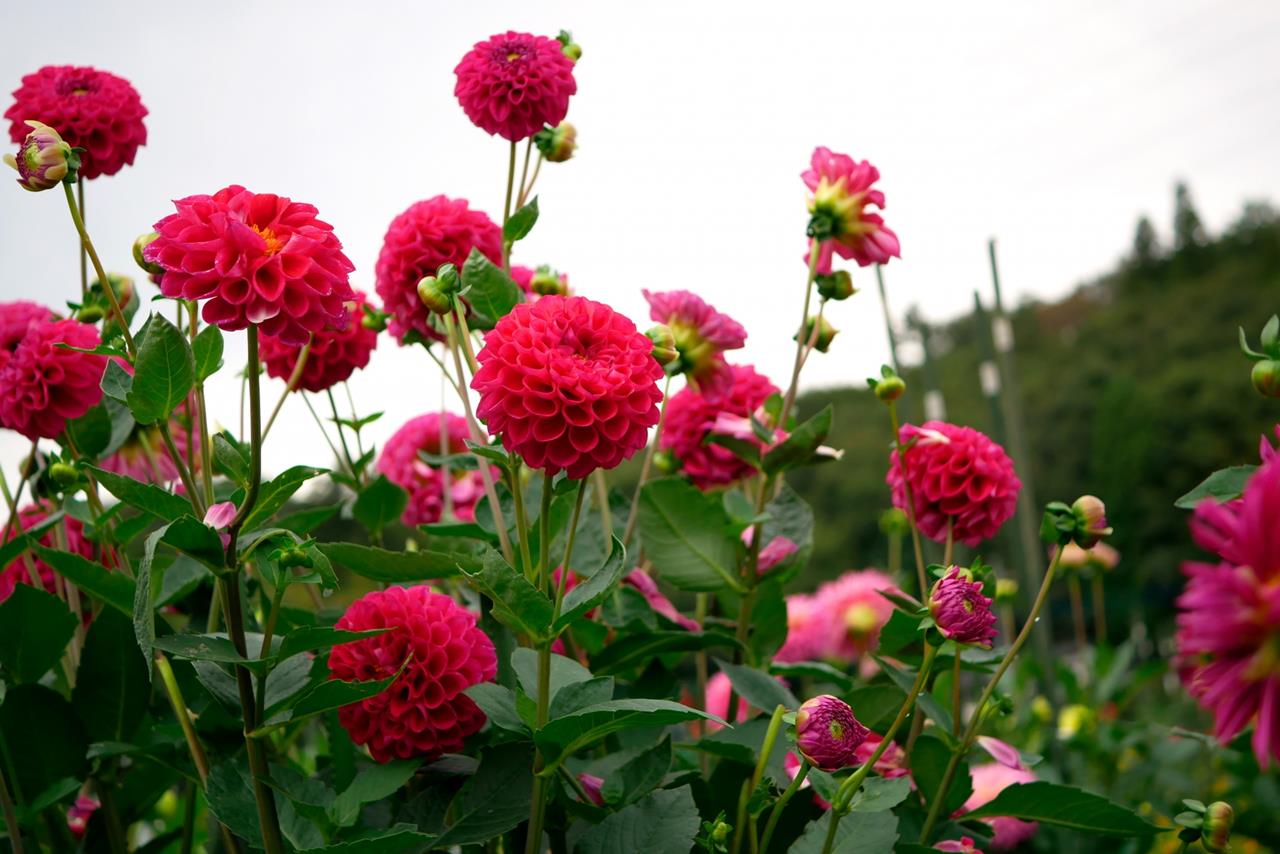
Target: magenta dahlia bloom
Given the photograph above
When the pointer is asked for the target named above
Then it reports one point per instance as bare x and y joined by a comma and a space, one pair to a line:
569, 385
256, 259
16, 572
827, 733
955, 473
807, 630
43, 386
701, 333
988, 781
892, 763
436, 231
424, 712
692, 413
960, 611
401, 461
1229, 620
840, 192
336, 352
90, 109
15, 319
515, 84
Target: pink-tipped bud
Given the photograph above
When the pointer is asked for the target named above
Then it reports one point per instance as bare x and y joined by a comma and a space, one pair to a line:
593, 786
1091, 521
44, 160
547, 282
960, 611
828, 734
557, 144
1219, 818
664, 344
1266, 377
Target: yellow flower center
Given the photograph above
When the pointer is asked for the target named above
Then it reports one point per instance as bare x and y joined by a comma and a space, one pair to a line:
836, 730
80, 91
274, 244
861, 619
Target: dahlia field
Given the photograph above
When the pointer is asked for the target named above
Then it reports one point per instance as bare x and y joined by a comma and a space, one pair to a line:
519, 646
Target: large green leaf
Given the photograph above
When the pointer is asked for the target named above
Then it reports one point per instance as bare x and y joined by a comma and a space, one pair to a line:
112, 588
687, 536
881, 793
640, 648
276, 492
904, 680
590, 593
1066, 806
494, 800
929, 759
163, 373
230, 795
396, 841
372, 784
563, 736
208, 352
144, 619
664, 821
330, 694
520, 223
398, 567
637, 776
35, 628
112, 689
379, 504
1222, 485
499, 705
516, 603
799, 447
147, 497
488, 289
42, 738
563, 672
857, 833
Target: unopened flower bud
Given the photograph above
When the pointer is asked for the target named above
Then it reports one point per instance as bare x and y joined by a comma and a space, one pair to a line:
665, 462
664, 344
1074, 719
90, 314
373, 318
1266, 377
294, 556
1219, 818
547, 282
1091, 521
571, 48
894, 523
835, 286
436, 298
557, 144
890, 388
828, 734
63, 474
1006, 591
450, 283
140, 258
960, 611
826, 333
720, 833
121, 286
44, 160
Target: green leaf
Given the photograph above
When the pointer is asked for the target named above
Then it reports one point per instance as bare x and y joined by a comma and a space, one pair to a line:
578, 695
564, 671
91, 432
144, 619
516, 603
111, 588
562, 737
640, 648
372, 784
147, 497
821, 672
304, 522
163, 373
876, 705
494, 800
489, 290
686, 535
332, 694
311, 638
590, 593
1065, 806
665, 821
112, 687
288, 679
30, 716
180, 578
758, 688
217, 648
925, 700
230, 460
881, 793
637, 777
1223, 485
399, 567
799, 447
384, 842
188, 534
116, 382
520, 223
35, 628
929, 759
276, 492
229, 791
499, 705
790, 516
379, 504
208, 352
857, 833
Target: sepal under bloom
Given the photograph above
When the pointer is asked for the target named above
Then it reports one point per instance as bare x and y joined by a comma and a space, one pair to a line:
827, 733
702, 334
960, 611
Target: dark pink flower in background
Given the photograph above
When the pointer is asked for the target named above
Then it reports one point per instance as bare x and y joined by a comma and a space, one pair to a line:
514, 84
692, 413
960, 611
435, 231
827, 733
892, 763
254, 259
16, 572
43, 386
852, 612
791, 764
990, 780
593, 786
424, 712
963, 845
336, 352
144, 457
955, 473
718, 690
79, 813
808, 630
569, 385
401, 461
701, 333
661, 605
1229, 620
90, 109
15, 318
841, 191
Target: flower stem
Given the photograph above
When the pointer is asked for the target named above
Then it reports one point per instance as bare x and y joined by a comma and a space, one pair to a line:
634, 513
955, 696
1099, 608
971, 732
506, 208
10, 816
538, 809
911, 503
796, 783
109, 291
84, 269
801, 339
568, 550
762, 760
1077, 612
291, 386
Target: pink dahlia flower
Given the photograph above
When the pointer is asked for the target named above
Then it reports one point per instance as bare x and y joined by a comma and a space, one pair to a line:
963, 845
692, 413
892, 763
701, 333
569, 385
808, 630
852, 612
988, 781
955, 473
960, 611
594, 787
840, 193
718, 690
18, 572
43, 386
401, 461
15, 319
90, 109
256, 259
79, 813
515, 84
1229, 620
436, 231
424, 712
336, 352
828, 734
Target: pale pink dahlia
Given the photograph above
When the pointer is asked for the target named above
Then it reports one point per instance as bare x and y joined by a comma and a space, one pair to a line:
828, 734
436, 231
692, 413
424, 713
960, 611
515, 84
336, 352
256, 259
852, 612
1229, 621
808, 630
43, 386
718, 690
840, 193
401, 461
955, 473
701, 333
569, 385
988, 781
19, 569
90, 109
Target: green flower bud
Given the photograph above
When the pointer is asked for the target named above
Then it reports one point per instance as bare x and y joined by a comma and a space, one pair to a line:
90, 314
894, 523
63, 474
890, 388
720, 833
143, 241
436, 298
547, 282
557, 144
571, 48
1091, 521
1266, 377
664, 344
1218, 820
826, 333
835, 286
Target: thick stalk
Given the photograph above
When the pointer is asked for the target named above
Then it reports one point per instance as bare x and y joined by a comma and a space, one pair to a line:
538, 807
1099, 608
110, 293
634, 514
506, 208
971, 732
911, 503
601, 487
289, 387
766, 750
787, 795
84, 261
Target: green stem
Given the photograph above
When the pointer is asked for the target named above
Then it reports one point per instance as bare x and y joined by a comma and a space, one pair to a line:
911, 504
801, 339
602, 489
971, 732
10, 816
506, 208
188, 820
522, 522
184, 472
762, 760
568, 550
634, 514
342, 436
544, 535
109, 291
955, 696
830, 839
84, 268
796, 783
267, 632
289, 387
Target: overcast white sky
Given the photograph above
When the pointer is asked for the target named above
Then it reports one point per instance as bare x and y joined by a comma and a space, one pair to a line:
1051, 126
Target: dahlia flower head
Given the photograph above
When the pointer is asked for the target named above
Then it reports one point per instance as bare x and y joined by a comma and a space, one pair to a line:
827, 733
254, 259
963, 845
336, 352
513, 84
851, 612
1229, 614
42, 385
718, 690
424, 712
960, 611
957, 474
429, 233
401, 461
16, 572
692, 413
841, 191
990, 780
15, 319
702, 334
540, 282
807, 630
90, 109
569, 385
